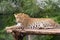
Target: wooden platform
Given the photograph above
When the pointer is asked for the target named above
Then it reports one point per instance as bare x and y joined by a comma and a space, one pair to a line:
18, 34
35, 31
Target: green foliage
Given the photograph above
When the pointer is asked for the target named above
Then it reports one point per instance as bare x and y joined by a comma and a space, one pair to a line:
47, 8
6, 7
43, 37
4, 35
30, 7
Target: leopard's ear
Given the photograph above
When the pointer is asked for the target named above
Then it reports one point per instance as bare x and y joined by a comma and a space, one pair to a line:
21, 13
15, 15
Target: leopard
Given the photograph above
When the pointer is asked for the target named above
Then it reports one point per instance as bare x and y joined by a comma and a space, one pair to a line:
25, 21
34, 23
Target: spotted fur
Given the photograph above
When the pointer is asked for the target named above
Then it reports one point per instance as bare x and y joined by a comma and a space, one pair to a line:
34, 23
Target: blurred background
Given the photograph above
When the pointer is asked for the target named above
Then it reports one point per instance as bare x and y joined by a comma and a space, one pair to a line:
34, 8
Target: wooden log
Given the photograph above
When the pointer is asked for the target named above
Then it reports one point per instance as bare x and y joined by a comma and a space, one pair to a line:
38, 32
34, 31
19, 34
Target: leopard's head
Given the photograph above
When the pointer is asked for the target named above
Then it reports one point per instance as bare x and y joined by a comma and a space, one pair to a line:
20, 17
